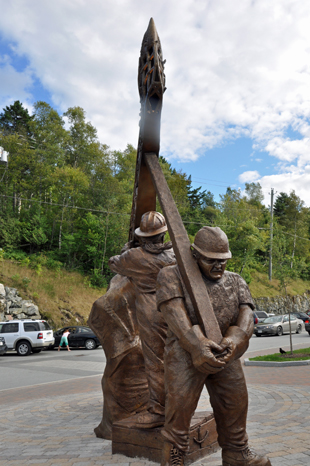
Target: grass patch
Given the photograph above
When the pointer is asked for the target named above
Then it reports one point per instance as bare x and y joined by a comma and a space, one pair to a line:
298, 355
261, 286
63, 298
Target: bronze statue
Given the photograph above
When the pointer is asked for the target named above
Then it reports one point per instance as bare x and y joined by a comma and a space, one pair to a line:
192, 360
203, 321
141, 265
124, 382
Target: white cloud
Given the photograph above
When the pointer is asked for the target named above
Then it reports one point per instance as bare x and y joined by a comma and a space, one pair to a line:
249, 176
13, 82
298, 181
233, 69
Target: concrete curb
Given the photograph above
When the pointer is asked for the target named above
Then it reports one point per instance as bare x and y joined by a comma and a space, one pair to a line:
247, 362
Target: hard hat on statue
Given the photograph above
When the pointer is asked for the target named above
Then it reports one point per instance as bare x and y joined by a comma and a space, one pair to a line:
212, 242
152, 223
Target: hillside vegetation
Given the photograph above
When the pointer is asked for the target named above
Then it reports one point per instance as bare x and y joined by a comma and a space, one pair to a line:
65, 204
66, 298
63, 297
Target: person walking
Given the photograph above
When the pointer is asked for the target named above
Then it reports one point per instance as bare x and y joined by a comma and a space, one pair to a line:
64, 340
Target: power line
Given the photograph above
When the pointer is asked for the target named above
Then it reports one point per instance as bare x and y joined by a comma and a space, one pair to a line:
285, 233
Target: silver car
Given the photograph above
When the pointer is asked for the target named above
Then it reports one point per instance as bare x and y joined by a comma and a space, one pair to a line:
277, 325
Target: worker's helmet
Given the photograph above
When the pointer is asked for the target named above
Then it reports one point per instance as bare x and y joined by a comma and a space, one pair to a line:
152, 223
212, 242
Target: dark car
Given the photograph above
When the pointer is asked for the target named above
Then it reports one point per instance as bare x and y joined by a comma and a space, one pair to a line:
307, 324
79, 336
301, 315
3, 347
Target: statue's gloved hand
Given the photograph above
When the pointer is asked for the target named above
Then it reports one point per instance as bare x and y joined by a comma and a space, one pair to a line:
228, 348
131, 244
127, 246
202, 351
235, 342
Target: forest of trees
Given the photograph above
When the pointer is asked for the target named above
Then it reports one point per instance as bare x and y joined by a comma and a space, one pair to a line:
65, 201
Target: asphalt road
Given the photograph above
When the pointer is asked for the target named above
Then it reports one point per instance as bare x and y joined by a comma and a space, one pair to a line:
53, 366
49, 366
269, 342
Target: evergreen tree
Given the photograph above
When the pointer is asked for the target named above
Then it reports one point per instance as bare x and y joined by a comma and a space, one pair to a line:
16, 119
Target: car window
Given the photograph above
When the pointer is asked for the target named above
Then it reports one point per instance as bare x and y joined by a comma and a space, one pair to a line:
44, 326
73, 330
85, 330
273, 320
9, 328
31, 326
285, 319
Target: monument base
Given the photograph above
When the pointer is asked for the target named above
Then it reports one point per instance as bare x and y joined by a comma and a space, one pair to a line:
148, 443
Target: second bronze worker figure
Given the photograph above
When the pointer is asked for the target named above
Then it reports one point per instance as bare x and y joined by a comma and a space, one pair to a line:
142, 265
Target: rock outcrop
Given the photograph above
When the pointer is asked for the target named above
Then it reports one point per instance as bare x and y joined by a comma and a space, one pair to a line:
12, 306
281, 305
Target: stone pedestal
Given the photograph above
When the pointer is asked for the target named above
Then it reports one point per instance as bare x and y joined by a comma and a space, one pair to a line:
148, 443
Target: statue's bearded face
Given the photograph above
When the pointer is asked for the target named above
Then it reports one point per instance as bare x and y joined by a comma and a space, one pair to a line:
212, 269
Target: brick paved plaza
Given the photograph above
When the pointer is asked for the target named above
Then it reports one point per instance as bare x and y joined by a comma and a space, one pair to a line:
52, 424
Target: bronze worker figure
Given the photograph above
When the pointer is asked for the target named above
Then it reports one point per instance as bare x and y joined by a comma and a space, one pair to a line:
192, 360
142, 265
124, 382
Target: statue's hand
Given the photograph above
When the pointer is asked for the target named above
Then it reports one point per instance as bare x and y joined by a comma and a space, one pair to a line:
204, 358
229, 349
127, 246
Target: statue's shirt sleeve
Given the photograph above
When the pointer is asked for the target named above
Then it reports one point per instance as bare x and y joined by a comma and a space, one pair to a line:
168, 285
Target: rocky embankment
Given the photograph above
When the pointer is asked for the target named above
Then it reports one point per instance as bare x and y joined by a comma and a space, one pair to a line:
13, 306
281, 305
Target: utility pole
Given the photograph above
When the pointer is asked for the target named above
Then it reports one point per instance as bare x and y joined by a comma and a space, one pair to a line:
271, 235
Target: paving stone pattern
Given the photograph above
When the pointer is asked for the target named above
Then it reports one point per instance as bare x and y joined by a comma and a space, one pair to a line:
52, 425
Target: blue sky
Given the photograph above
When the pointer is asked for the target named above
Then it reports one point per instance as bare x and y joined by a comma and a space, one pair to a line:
237, 105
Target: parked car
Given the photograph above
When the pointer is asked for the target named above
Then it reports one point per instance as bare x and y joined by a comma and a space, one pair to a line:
79, 336
307, 327
277, 325
261, 315
3, 347
26, 335
301, 315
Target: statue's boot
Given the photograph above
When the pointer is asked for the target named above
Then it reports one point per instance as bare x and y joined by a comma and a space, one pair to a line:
246, 457
144, 420
171, 455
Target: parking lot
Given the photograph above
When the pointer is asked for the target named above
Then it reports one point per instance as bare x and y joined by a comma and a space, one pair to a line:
50, 403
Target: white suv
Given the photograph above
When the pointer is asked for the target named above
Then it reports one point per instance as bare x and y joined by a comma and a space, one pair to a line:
27, 335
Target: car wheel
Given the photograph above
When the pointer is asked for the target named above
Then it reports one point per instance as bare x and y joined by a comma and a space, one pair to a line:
279, 331
36, 350
23, 348
299, 329
90, 344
